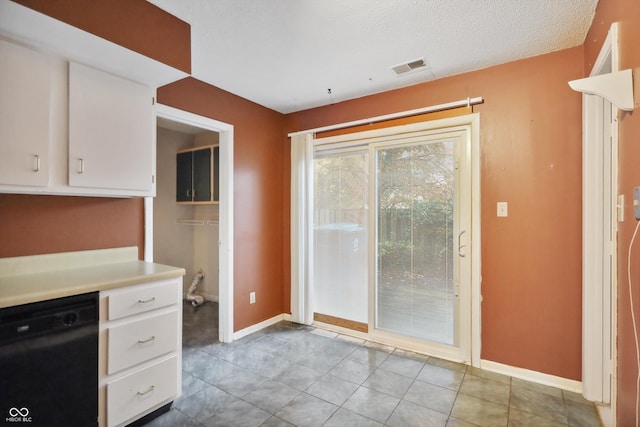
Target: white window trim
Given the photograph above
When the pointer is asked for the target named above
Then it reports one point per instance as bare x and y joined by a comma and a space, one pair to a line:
301, 287
596, 332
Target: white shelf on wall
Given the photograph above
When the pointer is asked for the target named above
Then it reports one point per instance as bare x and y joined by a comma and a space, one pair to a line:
616, 87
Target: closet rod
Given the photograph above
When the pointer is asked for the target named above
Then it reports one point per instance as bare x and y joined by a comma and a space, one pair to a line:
440, 107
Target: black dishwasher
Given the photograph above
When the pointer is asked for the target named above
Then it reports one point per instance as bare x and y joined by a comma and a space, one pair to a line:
49, 363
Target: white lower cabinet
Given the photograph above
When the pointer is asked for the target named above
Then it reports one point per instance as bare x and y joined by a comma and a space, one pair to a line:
136, 393
140, 350
130, 344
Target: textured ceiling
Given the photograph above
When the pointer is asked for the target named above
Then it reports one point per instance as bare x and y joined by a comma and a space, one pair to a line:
287, 54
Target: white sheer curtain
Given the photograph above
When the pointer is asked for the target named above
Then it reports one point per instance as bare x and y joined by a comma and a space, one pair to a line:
301, 228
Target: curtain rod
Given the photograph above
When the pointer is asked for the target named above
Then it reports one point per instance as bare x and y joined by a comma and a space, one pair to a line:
455, 104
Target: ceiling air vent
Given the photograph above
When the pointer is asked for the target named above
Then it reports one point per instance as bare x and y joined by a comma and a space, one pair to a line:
409, 66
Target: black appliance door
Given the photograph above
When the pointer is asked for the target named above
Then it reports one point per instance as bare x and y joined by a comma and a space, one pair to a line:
51, 380
49, 377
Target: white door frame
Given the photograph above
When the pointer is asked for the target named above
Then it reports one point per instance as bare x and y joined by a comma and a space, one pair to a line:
472, 123
600, 280
225, 242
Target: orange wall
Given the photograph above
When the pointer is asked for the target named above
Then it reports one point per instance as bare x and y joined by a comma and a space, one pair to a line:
259, 215
136, 24
530, 157
627, 12
32, 225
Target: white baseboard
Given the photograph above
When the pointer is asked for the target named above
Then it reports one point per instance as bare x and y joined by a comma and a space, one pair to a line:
258, 326
533, 376
606, 415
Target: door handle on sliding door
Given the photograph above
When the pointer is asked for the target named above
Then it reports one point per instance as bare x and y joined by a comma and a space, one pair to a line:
461, 254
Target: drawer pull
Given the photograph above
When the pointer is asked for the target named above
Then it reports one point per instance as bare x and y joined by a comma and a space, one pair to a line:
147, 391
145, 301
151, 338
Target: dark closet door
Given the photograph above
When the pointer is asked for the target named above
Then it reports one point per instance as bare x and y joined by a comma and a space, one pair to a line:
202, 175
184, 177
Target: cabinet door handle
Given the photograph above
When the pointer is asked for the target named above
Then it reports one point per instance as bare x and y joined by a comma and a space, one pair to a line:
151, 338
147, 391
145, 301
80, 165
188, 194
36, 167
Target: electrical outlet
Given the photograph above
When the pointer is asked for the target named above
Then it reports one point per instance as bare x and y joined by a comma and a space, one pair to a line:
252, 298
636, 202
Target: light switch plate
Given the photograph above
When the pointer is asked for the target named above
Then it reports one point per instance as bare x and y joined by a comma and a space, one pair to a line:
503, 209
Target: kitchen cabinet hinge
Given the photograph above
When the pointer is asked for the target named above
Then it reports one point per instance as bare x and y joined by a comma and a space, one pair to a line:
153, 100
153, 179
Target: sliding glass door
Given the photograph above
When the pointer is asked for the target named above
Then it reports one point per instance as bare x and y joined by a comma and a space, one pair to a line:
392, 237
340, 221
419, 238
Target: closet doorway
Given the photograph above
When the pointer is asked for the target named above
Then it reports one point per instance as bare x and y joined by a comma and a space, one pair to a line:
196, 237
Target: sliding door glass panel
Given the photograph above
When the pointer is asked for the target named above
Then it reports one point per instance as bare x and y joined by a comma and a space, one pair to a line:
340, 235
416, 227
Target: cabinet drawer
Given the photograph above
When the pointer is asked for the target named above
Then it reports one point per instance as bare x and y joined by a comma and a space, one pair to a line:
136, 342
142, 298
142, 390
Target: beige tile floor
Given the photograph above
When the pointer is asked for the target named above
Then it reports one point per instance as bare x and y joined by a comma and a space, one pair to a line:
292, 375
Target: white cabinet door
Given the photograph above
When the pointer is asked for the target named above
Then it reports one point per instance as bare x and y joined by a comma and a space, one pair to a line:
25, 94
140, 391
111, 132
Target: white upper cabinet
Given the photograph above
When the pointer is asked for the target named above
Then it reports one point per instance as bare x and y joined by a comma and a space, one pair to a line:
66, 128
25, 95
111, 132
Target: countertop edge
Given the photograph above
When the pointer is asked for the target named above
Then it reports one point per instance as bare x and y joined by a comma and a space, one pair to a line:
41, 286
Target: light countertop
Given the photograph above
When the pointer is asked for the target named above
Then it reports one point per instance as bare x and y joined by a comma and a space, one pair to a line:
35, 278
